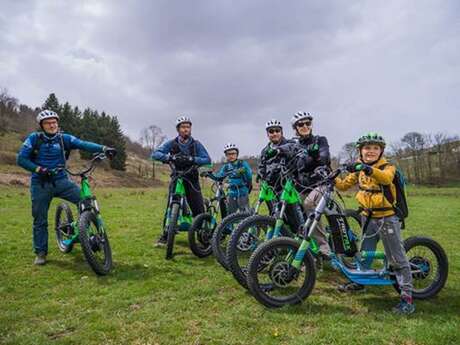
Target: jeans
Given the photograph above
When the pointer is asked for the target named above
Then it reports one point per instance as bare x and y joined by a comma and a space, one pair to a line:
41, 198
238, 203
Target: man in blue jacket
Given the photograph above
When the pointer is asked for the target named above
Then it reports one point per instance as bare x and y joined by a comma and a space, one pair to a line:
185, 152
43, 153
239, 175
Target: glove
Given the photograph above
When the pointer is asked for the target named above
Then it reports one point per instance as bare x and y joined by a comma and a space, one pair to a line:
110, 152
271, 153
46, 173
241, 171
351, 167
283, 150
356, 167
313, 150
182, 160
43, 172
366, 168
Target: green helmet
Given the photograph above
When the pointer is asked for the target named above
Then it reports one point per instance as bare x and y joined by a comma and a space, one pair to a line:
371, 138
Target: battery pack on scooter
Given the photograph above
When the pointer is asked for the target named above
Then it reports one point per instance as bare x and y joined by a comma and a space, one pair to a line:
341, 240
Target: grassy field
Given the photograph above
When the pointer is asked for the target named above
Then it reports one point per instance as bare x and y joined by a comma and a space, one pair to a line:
147, 300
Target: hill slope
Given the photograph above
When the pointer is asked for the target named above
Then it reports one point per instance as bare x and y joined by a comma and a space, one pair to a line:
137, 174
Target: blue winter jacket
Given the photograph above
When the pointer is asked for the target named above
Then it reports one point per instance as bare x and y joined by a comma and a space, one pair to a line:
201, 156
50, 154
238, 181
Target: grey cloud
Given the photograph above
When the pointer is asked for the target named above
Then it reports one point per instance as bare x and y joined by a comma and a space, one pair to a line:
231, 65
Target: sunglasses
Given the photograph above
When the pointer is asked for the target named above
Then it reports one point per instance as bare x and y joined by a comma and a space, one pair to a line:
49, 122
303, 124
274, 130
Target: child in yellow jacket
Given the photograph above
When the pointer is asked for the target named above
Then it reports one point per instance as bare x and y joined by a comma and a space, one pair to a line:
371, 173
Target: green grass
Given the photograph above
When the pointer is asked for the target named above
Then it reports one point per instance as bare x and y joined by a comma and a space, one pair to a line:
147, 300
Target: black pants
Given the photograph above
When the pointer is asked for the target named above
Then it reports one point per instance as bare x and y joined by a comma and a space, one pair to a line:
293, 217
192, 194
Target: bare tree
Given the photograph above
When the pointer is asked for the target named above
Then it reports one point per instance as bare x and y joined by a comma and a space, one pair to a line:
440, 139
414, 142
427, 153
8, 108
349, 152
151, 137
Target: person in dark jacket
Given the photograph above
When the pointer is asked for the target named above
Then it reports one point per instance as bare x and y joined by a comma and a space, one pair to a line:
278, 148
266, 169
316, 154
185, 152
44, 154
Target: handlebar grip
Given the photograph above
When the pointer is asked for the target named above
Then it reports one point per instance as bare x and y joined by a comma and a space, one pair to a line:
334, 174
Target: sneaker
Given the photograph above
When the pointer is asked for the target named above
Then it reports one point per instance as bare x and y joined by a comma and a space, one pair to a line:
351, 287
40, 259
404, 307
161, 242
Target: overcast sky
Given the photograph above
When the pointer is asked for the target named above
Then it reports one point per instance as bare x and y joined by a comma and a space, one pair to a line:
388, 66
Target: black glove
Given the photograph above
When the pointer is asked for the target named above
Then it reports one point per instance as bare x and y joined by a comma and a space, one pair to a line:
44, 172
366, 168
182, 160
110, 152
189, 159
284, 151
351, 167
356, 167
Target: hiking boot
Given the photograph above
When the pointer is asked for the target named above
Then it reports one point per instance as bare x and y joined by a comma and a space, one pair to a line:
405, 306
40, 259
351, 287
161, 242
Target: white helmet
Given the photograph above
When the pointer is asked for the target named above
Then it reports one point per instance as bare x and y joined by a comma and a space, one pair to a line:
46, 114
231, 146
300, 115
273, 123
183, 119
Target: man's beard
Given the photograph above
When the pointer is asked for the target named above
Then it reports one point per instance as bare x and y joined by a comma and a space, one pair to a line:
49, 133
185, 136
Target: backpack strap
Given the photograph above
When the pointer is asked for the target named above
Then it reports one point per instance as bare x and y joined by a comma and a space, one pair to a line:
175, 149
65, 146
36, 147
373, 191
386, 189
194, 147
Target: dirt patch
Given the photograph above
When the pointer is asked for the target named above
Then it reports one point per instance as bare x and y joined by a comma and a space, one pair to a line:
119, 179
14, 179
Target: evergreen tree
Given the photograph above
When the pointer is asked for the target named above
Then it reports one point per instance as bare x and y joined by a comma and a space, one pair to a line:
68, 121
52, 103
116, 134
91, 126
